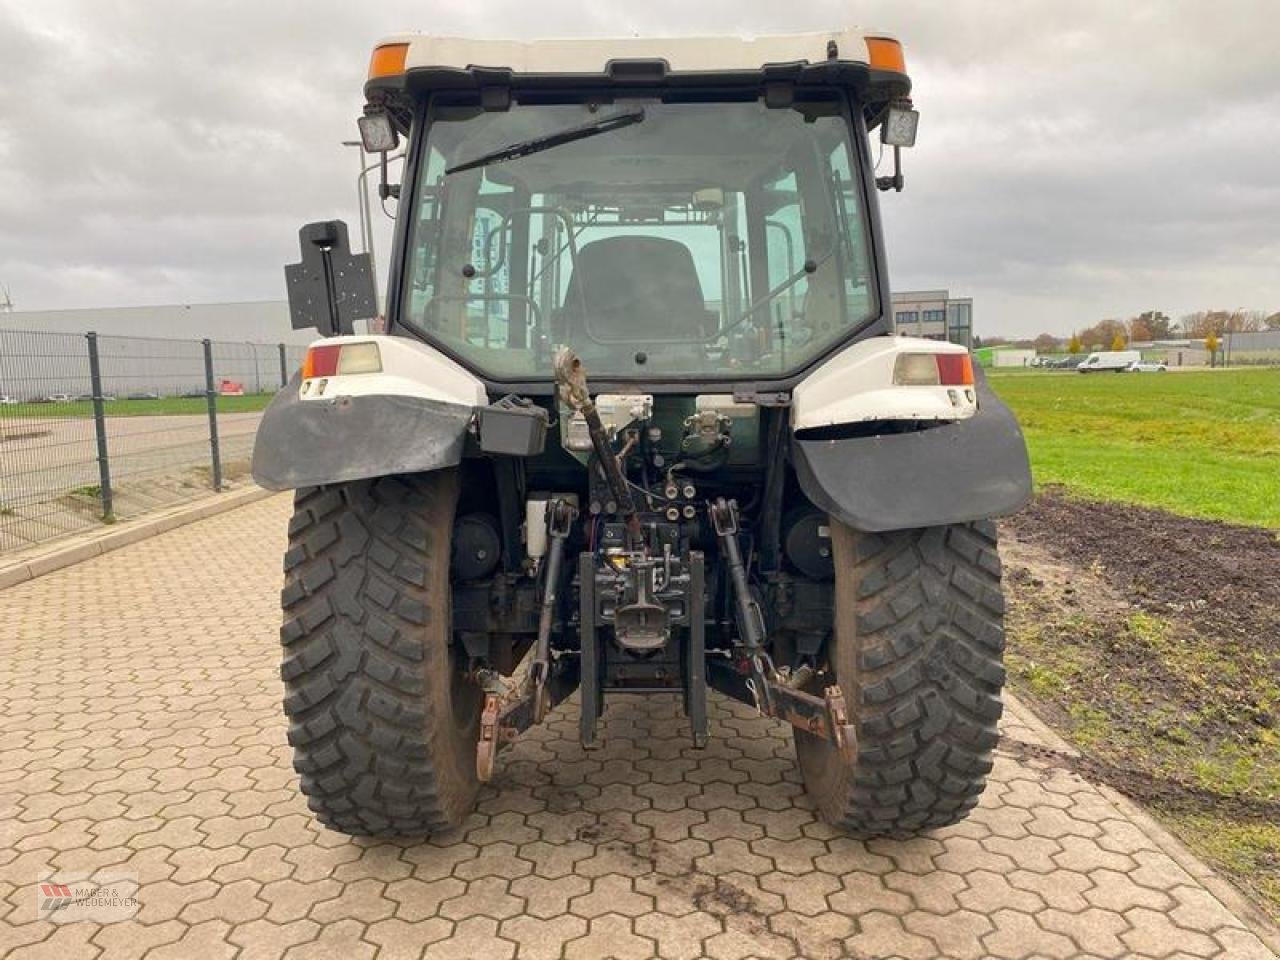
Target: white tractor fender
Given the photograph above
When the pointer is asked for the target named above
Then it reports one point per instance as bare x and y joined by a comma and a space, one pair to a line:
393, 405
857, 385
956, 454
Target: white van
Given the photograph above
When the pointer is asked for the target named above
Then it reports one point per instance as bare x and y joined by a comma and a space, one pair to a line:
1116, 360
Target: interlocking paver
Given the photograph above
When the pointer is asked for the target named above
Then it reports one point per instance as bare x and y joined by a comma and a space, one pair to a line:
1017, 934
543, 939
339, 939
882, 935
264, 940
1094, 930
140, 730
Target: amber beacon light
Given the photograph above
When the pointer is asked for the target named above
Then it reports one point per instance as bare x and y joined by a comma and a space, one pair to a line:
885, 53
388, 60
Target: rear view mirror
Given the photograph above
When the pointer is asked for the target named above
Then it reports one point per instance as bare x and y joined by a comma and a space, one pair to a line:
376, 133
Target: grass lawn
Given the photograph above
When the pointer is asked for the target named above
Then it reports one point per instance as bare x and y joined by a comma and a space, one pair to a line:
165, 406
1203, 444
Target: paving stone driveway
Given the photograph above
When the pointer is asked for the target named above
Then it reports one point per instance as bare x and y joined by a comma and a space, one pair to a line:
140, 730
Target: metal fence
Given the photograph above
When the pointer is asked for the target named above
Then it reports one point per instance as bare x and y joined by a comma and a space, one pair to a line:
99, 428
1250, 349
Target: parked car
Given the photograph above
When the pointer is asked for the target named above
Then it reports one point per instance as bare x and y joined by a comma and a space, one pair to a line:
7, 401
145, 395
57, 398
1148, 366
1117, 361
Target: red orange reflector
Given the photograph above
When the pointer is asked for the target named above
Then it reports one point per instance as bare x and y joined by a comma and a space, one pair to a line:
321, 362
954, 369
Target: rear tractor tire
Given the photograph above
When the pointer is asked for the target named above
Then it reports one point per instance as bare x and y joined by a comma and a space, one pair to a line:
382, 721
917, 647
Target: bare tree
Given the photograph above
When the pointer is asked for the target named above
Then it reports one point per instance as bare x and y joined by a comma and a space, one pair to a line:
1046, 343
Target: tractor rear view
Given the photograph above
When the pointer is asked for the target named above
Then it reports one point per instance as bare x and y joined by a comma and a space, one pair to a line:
638, 427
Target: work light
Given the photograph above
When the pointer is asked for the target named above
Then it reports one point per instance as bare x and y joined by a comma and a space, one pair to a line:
376, 132
899, 127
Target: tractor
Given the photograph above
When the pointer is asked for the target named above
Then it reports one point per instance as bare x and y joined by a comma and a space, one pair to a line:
635, 423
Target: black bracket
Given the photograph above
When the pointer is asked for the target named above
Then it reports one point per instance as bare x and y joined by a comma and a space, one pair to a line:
751, 393
775, 694
331, 287
695, 677
896, 181
592, 669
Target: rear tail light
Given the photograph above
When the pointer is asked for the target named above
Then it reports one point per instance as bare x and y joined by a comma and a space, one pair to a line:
933, 370
320, 362
333, 359
955, 369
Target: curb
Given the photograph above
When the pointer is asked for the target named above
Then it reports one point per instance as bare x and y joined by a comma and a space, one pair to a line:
1226, 892
65, 555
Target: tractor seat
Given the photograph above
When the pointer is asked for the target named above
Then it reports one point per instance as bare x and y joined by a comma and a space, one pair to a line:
635, 289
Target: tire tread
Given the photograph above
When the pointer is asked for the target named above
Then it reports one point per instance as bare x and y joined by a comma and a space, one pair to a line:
928, 640
358, 593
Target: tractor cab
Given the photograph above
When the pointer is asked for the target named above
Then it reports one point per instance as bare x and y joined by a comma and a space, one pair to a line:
682, 211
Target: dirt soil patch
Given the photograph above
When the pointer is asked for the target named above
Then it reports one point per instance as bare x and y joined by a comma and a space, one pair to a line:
1223, 577
1152, 643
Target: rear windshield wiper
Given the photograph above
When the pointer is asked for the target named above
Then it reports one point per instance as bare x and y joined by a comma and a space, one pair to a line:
537, 145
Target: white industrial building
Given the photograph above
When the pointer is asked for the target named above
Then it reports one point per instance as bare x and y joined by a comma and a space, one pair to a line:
1012, 357
933, 314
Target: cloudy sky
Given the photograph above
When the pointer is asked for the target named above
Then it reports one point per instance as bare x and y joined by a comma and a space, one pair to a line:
1076, 160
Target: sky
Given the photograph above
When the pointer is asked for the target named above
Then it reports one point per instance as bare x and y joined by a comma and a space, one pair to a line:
1075, 161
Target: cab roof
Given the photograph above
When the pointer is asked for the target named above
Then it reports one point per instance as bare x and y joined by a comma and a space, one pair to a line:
405, 67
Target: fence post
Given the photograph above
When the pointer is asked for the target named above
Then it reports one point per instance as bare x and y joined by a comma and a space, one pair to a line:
211, 394
257, 369
100, 429
284, 366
